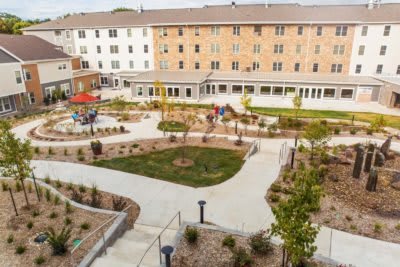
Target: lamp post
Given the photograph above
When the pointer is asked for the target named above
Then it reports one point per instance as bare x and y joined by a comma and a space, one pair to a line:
201, 204
167, 251
292, 160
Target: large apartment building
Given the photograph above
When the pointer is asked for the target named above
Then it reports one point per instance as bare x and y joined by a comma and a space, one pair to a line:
333, 40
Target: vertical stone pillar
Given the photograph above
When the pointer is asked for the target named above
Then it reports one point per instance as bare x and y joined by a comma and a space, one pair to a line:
368, 161
372, 180
359, 162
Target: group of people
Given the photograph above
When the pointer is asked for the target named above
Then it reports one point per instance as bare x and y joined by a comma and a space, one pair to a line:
216, 112
85, 118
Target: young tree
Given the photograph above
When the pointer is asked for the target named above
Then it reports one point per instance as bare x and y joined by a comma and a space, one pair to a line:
15, 156
297, 103
158, 85
245, 101
261, 126
379, 123
119, 103
225, 120
188, 120
317, 134
245, 121
293, 223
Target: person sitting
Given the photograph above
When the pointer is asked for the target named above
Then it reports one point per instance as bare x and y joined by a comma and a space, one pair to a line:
75, 117
81, 113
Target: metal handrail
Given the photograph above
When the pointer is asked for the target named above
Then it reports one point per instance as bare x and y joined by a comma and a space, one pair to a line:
95, 231
159, 240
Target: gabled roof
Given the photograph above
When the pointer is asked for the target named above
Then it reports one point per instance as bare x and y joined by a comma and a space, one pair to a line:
225, 14
30, 48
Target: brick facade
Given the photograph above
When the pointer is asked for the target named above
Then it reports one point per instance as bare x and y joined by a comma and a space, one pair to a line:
76, 63
33, 85
87, 81
247, 39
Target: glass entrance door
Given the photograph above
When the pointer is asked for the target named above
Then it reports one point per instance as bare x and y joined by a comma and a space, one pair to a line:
310, 93
210, 89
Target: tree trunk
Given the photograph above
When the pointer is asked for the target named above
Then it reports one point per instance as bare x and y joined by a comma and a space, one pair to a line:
26, 196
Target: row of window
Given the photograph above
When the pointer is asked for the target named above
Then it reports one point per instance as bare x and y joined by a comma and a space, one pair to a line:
5, 104
112, 33
341, 30
114, 49
278, 49
382, 50
379, 69
115, 64
386, 30
171, 91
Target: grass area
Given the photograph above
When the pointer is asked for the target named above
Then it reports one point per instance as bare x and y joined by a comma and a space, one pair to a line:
392, 121
221, 165
171, 126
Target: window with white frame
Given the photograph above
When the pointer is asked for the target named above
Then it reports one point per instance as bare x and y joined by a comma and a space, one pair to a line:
215, 48
315, 67
103, 80
180, 31
265, 90
146, 65
68, 35
338, 49
347, 93
197, 31
398, 70
81, 86
290, 91
126, 84
279, 30
69, 49
298, 49
151, 90
300, 30
83, 49
215, 30
81, 34
379, 69
146, 48
277, 66
100, 64
180, 48
5, 104
115, 64
358, 68
93, 84
236, 30
319, 31
329, 93
222, 88
164, 64
97, 33
296, 67
57, 33
277, 90
163, 48
65, 87
173, 91
215, 65
49, 91
249, 89
188, 92
62, 66
129, 32
237, 89
18, 77
235, 65
31, 98
130, 49
386, 31
144, 32
341, 30
85, 64
257, 30
162, 31
98, 48
256, 66
28, 75
112, 33
317, 49
361, 50
131, 64
139, 90
236, 48
364, 30
197, 48
257, 49
196, 65
278, 49
181, 65
114, 49
336, 68
382, 52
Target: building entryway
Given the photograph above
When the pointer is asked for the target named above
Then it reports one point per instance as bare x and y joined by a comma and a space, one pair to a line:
396, 102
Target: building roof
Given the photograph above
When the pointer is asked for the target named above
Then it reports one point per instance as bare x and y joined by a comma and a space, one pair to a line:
30, 48
389, 79
128, 73
82, 73
225, 14
294, 78
171, 76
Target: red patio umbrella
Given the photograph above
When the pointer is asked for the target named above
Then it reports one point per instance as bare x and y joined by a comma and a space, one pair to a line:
83, 98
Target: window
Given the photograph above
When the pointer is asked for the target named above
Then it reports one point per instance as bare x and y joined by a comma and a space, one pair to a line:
97, 33
382, 52
329, 93
62, 66
103, 80
126, 84
98, 49
28, 75
197, 65
112, 33
85, 64
215, 65
277, 90
298, 49
398, 70
236, 48
80, 86
69, 49
265, 90
146, 65
197, 31
358, 68
31, 98
336, 68
131, 64
277, 66
386, 31
256, 65
180, 31
162, 32
315, 67
197, 48
115, 64
317, 49
139, 90
151, 90
181, 66
68, 35
188, 92
300, 30
236, 30
364, 31
341, 30
278, 49
114, 49
66, 88
346, 93
180, 48
296, 67
361, 50
163, 48
319, 31
81, 34
250, 89
215, 30
379, 69
129, 32
222, 88
57, 33
235, 65
83, 49
146, 48
144, 32
257, 49
237, 89
338, 49
5, 104
130, 49
215, 48
290, 91
49, 91
279, 30
257, 30
18, 77
173, 91
100, 64
163, 64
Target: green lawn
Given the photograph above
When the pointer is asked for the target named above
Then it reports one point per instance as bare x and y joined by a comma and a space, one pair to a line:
221, 165
393, 121
171, 126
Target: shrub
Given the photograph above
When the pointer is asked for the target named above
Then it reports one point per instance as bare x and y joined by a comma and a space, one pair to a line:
50, 151
20, 250
47, 180
301, 148
36, 150
191, 234
80, 158
58, 242
47, 195
397, 227
65, 152
370, 131
56, 200
68, 207
322, 171
276, 187
353, 227
67, 221
378, 227
35, 213
336, 130
119, 203
29, 225
4, 186
353, 131
260, 242
85, 226
70, 186
29, 187
82, 188
10, 239
241, 258
18, 186
53, 215
58, 183
125, 116
324, 157
39, 260
274, 197
77, 196
79, 152
229, 241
